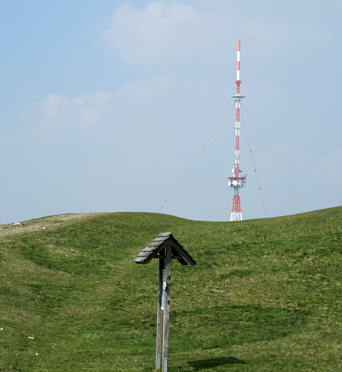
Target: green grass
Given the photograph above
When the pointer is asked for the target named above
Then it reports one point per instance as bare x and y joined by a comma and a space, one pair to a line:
266, 294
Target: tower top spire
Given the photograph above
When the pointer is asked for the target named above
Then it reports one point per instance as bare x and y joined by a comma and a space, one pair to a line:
238, 61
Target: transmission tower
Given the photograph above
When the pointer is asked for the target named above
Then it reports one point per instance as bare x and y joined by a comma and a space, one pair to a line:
238, 179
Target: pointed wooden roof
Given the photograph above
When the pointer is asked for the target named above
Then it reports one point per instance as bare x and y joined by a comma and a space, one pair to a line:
157, 245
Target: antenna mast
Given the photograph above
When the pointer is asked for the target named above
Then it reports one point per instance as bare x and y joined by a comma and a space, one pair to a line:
238, 180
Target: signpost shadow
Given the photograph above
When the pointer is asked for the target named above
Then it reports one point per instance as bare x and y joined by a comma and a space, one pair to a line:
214, 362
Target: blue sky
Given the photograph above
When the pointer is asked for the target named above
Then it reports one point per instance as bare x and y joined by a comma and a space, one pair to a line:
105, 105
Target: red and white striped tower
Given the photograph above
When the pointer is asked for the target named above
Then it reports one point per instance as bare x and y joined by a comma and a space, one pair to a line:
238, 180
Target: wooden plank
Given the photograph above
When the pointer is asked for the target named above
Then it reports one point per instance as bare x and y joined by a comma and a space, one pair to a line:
145, 253
159, 316
160, 238
154, 244
166, 308
142, 260
165, 234
138, 259
146, 256
150, 248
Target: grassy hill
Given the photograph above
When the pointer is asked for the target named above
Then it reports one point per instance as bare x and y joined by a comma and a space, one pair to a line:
266, 294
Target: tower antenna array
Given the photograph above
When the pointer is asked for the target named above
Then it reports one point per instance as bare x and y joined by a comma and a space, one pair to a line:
238, 179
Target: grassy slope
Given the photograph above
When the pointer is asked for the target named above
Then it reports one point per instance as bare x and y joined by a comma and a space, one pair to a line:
266, 294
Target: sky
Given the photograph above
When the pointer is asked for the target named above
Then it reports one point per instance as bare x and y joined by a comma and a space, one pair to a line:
127, 106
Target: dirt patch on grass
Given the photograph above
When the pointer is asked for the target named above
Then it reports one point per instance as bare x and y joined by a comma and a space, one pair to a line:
45, 223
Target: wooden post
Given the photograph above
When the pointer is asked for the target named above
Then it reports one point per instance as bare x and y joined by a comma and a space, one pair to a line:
164, 247
159, 314
166, 308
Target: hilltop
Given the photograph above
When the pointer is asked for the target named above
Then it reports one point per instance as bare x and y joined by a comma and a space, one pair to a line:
266, 294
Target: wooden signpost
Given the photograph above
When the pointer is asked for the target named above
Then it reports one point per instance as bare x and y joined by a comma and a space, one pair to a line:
164, 247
